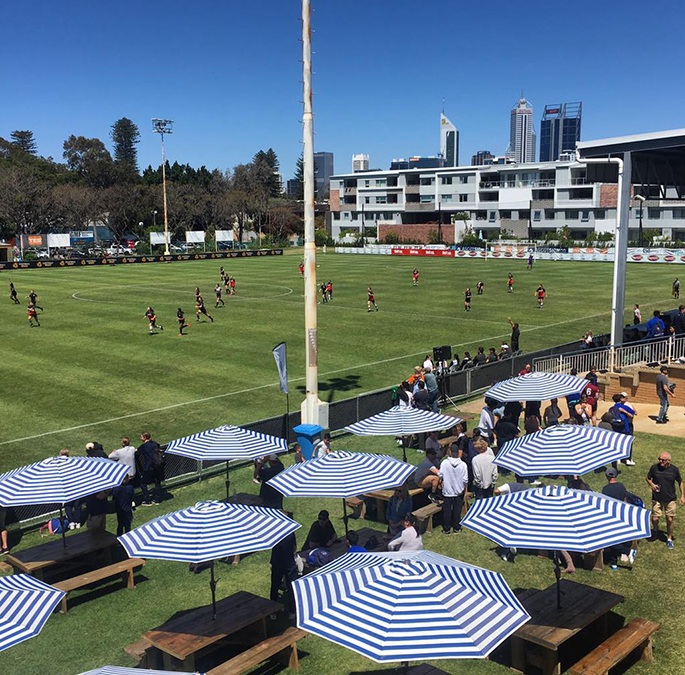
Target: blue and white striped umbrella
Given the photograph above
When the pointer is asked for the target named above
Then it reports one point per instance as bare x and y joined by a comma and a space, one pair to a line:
342, 474
409, 605
227, 442
402, 421
25, 605
58, 480
563, 449
557, 518
208, 531
117, 670
536, 387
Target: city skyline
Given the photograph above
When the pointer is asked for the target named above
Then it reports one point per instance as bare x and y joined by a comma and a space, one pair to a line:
230, 76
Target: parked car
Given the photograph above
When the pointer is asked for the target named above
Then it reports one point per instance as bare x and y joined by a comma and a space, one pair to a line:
119, 249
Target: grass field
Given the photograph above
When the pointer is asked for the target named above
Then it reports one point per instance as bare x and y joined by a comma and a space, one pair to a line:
92, 372
101, 621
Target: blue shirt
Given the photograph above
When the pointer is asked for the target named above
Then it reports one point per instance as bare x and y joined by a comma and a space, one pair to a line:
357, 549
622, 407
397, 509
656, 327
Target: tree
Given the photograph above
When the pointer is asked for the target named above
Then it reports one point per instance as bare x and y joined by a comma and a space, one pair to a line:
283, 222
299, 177
25, 204
125, 136
77, 205
89, 158
24, 140
122, 202
265, 166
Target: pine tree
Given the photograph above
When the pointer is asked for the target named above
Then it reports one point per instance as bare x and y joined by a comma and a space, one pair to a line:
24, 140
125, 136
299, 177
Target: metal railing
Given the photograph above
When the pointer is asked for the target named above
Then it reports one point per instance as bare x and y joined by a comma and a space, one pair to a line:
615, 359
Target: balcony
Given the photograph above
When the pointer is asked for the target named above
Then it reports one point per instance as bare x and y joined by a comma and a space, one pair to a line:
581, 181
350, 191
412, 189
419, 206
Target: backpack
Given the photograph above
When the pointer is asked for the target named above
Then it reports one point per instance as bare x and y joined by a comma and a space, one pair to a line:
635, 500
318, 557
616, 420
58, 525
157, 457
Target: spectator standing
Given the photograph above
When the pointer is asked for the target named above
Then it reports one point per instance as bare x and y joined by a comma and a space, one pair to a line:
505, 430
592, 395
426, 475
454, 475
409, 539
513, 410
592, 376
4, 546
126, 455
283, 566
533, 410
323, 447
656, 326
122, 496
271, 497
150, 458
96, 506
405, 396
515, 335
399, 505
613, 488
662, 478
484, 470
552, 413
299, 457
637, 315
421, 396
531, 424
663, 391
626, 414
487, 421
432, 442
679, 321
432, 387
428, 362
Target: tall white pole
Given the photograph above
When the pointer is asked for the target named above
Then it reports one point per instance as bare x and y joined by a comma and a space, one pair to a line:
166, 220
310, 406
621, 249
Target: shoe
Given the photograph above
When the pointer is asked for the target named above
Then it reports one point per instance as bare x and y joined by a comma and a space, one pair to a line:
629, 462
660, 421
670, 545
504, 556
536, 483
512, 550
446, 532
78, 526
257, 481
631, 556
432, 497
456, 531
156, 502
613, 567
146, 503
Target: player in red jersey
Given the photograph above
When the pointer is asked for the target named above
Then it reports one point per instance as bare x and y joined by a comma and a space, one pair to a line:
510, 283
540, 295
152, 320
32, 315
329, 290
231, 283
302, 269
201, 309
181, 318
415, 277
371, 301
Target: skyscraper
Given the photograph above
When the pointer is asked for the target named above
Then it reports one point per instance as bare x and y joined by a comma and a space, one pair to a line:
482, 157
360, 162
323, 170
559, 130
449, 141
521, 133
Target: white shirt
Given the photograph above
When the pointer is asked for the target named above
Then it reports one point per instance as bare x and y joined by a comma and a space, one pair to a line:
321, 449
428, 364
406, 404
454, 476
487, 420
126, 455
484, 471
409, 540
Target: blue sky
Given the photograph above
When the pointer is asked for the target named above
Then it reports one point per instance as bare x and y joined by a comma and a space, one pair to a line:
228, 72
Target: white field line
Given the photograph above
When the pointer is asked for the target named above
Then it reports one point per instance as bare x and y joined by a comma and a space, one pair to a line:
273, 384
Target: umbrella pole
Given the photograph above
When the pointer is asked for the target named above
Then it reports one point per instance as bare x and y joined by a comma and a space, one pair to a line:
557, 574
228, 481
404, 448
61, 520
212, 585
345, 515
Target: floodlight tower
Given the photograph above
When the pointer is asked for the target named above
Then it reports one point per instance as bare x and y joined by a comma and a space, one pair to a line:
161, 127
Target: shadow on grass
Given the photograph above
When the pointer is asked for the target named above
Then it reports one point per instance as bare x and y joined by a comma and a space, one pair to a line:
335, 384
101, 589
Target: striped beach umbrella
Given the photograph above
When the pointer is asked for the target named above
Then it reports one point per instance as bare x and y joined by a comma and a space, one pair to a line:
208, 531
407, 606
557, 518
118, 670
563, 449
342, 474
225, 443
25, 605
58, 480
402, 421
536, 387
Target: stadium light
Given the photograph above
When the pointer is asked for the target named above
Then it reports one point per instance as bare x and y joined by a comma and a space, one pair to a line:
161, 127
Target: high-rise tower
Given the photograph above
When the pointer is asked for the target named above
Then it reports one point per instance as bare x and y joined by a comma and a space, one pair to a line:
559, 130
521, 133
449, 141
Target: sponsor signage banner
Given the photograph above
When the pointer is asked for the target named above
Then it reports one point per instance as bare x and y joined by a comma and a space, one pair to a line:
58, 241
131, 260
223, 235
195, 237
156, 238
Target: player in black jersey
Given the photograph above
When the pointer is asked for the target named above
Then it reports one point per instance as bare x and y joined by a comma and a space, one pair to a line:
467, 300
201, 309
218, 291
33, 298
181, 318
479, 288
152, 320
13, 294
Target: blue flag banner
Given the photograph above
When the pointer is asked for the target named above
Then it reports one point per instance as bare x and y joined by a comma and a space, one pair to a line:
281, 364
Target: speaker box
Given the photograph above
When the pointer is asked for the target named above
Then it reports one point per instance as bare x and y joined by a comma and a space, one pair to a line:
446, 352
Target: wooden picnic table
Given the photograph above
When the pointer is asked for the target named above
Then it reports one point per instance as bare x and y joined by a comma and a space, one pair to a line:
383, 496
36, 560
246, 498
538, 641
180, 639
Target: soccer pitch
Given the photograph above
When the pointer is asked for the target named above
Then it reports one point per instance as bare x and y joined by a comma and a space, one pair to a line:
91, 371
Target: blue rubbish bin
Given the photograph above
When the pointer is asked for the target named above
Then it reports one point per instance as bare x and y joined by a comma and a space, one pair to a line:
308, 435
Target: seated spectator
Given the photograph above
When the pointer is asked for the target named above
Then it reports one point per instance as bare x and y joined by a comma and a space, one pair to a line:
405, 396
577, 483
479, 359
552, 413
492, 356
432, 443
505, 350
466, 362
322, 532
426, 475
399, 505
271, 497
421, 396
409, 539
484, 470
454, 366
583, 412
352, 541
95, 450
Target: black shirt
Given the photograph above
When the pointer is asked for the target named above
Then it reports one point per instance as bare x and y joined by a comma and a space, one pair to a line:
665, 478
421, 399
615, 490
271, 496
283, 553
505, 431
123, 498
515, 334
479, 359
513, 409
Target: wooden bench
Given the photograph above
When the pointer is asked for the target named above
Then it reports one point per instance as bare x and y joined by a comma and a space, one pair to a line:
357, 506
424, 517
284, 645
637, 635
141, 650
124, 568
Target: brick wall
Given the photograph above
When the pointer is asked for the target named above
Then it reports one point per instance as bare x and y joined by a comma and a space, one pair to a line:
608, 195
640, 385
417, 233
334, 200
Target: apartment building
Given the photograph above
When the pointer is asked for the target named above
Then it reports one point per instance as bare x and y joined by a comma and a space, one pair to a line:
541, 197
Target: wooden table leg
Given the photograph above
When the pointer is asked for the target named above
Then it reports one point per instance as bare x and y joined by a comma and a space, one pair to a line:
189, 664
550, 662
646, 651
260, 628
380, 510
518, 653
